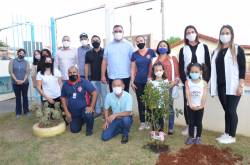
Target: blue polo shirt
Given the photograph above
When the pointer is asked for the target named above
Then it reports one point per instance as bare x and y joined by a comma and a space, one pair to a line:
142, 65
119, 104
75, 95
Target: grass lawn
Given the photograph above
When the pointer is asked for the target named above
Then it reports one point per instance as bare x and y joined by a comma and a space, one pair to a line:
19, 146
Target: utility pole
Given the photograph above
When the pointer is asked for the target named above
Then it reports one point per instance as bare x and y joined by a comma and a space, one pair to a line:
163, 19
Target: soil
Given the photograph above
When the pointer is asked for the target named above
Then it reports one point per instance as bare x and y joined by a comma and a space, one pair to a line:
200, 155
163, 148
51, 124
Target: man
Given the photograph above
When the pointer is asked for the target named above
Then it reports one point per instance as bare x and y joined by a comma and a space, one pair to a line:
73, 99
93, 61
81, 53
116, 58
65, 58
121, 119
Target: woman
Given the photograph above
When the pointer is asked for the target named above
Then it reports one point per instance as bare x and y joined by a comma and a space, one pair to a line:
171, 69
192, 52
19, 70
44, 53
229, 65
36, 60
141, 65
49, 82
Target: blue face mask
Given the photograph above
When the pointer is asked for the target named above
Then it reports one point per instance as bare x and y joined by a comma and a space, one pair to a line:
162, 50
194, 76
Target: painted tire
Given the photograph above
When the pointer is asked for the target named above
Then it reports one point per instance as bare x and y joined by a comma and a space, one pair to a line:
49, 132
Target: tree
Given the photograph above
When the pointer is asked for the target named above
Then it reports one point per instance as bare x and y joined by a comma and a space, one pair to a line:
2, 44
172, 40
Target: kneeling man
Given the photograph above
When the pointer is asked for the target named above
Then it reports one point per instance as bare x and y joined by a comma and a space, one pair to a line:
120, 120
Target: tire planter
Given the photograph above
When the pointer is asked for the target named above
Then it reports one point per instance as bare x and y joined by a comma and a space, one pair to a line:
49, 132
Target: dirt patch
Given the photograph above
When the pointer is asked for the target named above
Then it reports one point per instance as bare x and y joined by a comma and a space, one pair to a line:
200, 155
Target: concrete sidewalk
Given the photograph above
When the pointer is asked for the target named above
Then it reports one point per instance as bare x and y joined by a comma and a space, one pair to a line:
7, 106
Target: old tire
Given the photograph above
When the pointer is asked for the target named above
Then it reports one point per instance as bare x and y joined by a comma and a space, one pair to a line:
49, 132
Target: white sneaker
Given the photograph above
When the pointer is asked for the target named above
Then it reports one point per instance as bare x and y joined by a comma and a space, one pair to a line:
185, 131
223, 136
142, 126
228, 140
147, 125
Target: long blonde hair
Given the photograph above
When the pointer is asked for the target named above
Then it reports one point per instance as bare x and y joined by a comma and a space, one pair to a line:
231, 43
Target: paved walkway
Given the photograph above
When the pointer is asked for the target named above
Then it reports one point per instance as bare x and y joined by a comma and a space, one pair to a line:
7, 106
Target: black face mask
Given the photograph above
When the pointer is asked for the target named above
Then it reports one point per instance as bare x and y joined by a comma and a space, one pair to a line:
48, 65
95, 44
141, 45
73, 78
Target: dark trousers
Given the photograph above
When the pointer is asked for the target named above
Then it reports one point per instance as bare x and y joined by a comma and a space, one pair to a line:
126, 82
78, 121
21, 93
139, 92
229, 104
195, 119
185, 105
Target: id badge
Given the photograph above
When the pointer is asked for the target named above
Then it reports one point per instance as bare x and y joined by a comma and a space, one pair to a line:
74, 96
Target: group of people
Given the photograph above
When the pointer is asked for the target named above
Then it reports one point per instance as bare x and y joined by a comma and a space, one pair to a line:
79, 80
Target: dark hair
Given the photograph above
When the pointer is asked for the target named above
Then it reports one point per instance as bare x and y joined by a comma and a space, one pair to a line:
116, 26
153, 69
42, 65
140, 36
35, 61
21, 50
96, 37
47, 51
169, 49
202, 67
185, 31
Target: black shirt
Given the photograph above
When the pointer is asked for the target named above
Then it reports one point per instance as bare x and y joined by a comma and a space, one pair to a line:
95, 60
193, 49
220, 65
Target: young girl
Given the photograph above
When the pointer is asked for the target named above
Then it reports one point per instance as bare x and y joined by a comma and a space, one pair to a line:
196, 91
159, 77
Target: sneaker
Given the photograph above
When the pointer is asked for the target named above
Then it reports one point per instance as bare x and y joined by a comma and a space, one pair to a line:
223, 136
89, 133
147, 125
197, 141
142, 126
189, 141
18, 116
124, 139
185, 131
170, 132
228, 140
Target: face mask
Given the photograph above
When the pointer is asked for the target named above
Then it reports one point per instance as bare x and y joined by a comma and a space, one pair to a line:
38, 57
84, 42
141, 45
225, 38
117, 90
95, 44
66, 44
195, 76
191, 37
162, 50
159, 73
48, 65
118, 36
73, 78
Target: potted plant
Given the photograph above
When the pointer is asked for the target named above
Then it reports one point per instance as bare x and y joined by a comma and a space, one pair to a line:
50, 121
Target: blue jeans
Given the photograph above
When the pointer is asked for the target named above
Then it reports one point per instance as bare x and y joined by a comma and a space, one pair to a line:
78, 121
121, 125
171, 112
101, 95
21, 93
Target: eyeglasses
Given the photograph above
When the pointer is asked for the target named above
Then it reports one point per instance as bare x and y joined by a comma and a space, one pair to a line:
118, 31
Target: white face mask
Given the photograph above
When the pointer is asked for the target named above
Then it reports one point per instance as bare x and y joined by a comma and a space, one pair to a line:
117, 90
159, 73
84, 42
66, 44
118, 36
191, 37
38, 57
225, 38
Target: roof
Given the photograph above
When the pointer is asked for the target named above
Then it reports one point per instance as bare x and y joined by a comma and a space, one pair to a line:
208, 38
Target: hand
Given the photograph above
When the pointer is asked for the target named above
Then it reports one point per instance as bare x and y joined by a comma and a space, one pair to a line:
105, 125
51, 101
19, 82
239, 91
104, 80
194, 108
172, 84
149, 79
68, 117
111, 118
89, 110
134, 87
